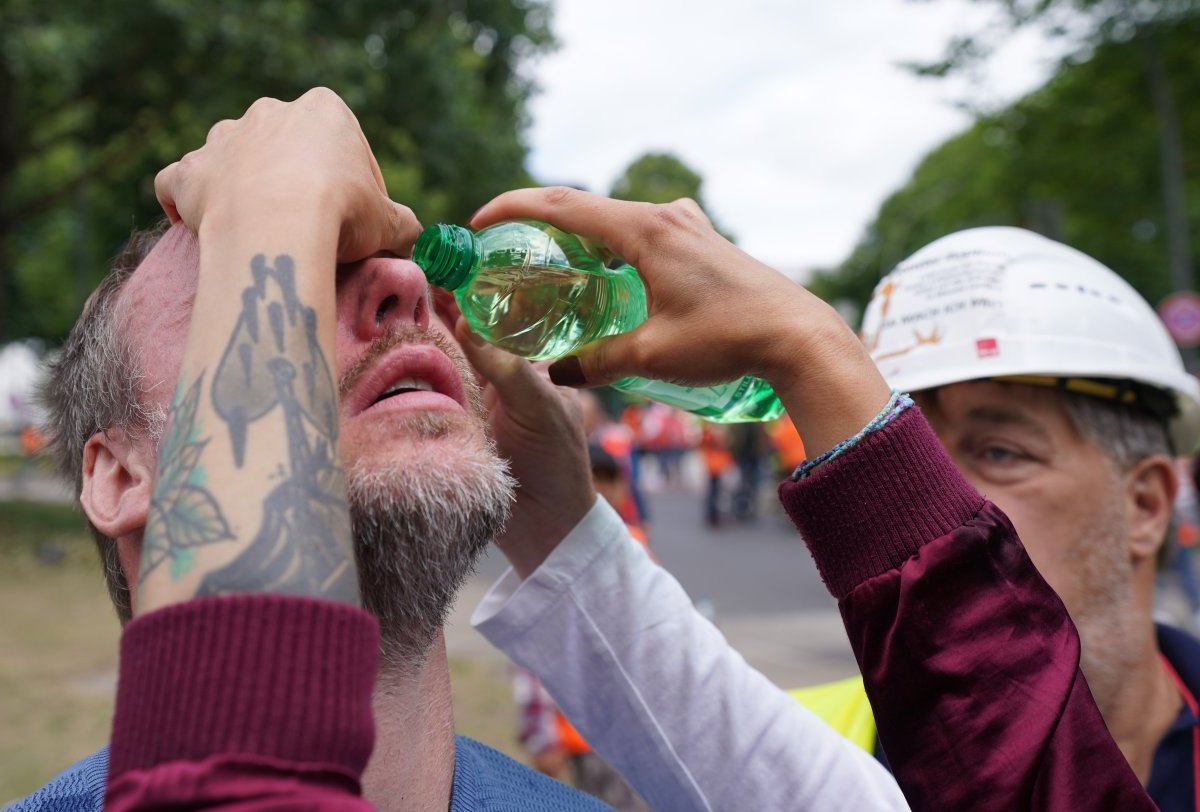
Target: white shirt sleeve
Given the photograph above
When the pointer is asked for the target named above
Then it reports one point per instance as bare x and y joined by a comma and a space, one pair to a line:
660, 694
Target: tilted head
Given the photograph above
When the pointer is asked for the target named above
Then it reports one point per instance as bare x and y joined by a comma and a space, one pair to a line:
426, 489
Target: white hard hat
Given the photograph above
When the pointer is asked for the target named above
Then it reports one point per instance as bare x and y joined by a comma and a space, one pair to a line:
1003, 302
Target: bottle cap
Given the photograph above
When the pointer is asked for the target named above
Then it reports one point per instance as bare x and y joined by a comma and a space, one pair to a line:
446, 254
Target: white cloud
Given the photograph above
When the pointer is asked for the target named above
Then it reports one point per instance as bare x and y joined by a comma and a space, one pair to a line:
795, 113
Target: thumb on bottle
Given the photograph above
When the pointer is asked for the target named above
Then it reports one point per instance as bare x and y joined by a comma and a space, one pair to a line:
515, 379
402, 229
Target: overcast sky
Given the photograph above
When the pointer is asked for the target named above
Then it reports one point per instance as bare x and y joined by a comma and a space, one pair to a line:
795, 113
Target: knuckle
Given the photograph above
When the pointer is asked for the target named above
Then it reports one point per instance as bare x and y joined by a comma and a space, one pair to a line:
639, 352
660, 222
405, 221
690, 210
215, 131
322, 95
558, 195
405, 215
675, 215
264, 103
188, 160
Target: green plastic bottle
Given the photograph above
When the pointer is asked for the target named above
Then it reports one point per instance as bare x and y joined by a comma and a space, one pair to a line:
541, 293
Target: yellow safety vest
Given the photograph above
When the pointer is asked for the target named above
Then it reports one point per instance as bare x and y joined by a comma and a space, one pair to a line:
842, 705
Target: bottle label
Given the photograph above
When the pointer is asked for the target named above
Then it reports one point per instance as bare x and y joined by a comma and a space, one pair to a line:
690, 398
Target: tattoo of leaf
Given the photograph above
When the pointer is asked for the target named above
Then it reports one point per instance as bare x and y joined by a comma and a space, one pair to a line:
274, 365
183, 515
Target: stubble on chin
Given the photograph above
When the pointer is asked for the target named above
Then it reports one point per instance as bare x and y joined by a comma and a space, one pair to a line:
419, 527
427, 493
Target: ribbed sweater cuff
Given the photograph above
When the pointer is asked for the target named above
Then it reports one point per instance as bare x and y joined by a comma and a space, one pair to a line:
260, 675
870, 510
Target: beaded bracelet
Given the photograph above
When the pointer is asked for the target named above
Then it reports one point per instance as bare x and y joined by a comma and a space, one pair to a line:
896, 405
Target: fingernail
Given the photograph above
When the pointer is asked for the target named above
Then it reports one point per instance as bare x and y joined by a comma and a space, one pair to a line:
567, 372
471, 219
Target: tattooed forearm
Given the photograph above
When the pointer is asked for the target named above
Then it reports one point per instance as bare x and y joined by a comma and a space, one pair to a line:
272, 368
183, 514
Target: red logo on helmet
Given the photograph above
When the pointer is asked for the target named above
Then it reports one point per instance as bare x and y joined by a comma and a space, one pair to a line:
987, 347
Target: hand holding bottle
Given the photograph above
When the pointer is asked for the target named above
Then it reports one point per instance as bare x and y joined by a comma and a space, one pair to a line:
538, 428
715, 313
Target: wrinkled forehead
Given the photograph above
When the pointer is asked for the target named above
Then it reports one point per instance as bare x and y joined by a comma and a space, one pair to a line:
983, 403
155, 307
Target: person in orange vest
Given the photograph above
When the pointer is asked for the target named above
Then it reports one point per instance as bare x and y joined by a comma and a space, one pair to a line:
714, 449
612, 482
789, 448
32, 443
618, 441
556, 749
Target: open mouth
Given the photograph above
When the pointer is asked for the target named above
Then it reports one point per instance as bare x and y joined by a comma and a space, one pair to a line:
417, 376
403, 387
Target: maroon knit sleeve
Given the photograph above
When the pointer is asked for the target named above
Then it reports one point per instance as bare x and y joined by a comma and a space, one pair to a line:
969, 658
250, 701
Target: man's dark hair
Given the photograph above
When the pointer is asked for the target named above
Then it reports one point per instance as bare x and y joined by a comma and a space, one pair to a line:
604, 465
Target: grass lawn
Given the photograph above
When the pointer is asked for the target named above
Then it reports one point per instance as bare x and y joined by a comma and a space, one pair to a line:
58, 635
59, 638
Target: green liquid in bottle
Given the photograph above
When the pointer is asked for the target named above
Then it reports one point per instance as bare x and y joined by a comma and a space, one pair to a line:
542, 293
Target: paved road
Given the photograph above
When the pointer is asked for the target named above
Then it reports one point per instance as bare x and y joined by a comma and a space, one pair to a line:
758, 578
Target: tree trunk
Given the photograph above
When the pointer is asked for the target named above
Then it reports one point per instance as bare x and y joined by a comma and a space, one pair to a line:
8, 163
1170, 149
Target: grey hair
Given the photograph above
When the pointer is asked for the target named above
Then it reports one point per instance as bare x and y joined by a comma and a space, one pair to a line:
93, 385
1125, 435
417, 537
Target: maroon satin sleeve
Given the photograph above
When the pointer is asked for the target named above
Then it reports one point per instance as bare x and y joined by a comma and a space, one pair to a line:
970, 660
247, 702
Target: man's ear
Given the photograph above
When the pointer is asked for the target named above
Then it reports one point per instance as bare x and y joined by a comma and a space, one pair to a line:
118, 474
1150, 488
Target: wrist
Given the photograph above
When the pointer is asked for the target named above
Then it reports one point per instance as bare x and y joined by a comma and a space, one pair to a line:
533, 533
802, 340
825, 378
292, 221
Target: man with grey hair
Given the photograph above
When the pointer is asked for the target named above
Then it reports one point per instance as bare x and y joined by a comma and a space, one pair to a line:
1059, 396
103, 381
211, 447
396, 414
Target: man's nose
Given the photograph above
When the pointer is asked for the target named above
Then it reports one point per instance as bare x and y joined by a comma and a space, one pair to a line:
380, 293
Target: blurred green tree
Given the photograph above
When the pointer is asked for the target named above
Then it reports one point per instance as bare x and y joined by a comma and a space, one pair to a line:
95, 98
660, 177
1078, 160
1086, 25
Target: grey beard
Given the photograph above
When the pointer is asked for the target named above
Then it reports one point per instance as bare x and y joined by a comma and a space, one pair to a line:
418, 534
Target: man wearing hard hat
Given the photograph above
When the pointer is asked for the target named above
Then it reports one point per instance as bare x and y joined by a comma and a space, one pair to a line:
1062, 399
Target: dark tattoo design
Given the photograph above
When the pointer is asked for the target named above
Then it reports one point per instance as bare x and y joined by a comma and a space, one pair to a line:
183, 515
274, 360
